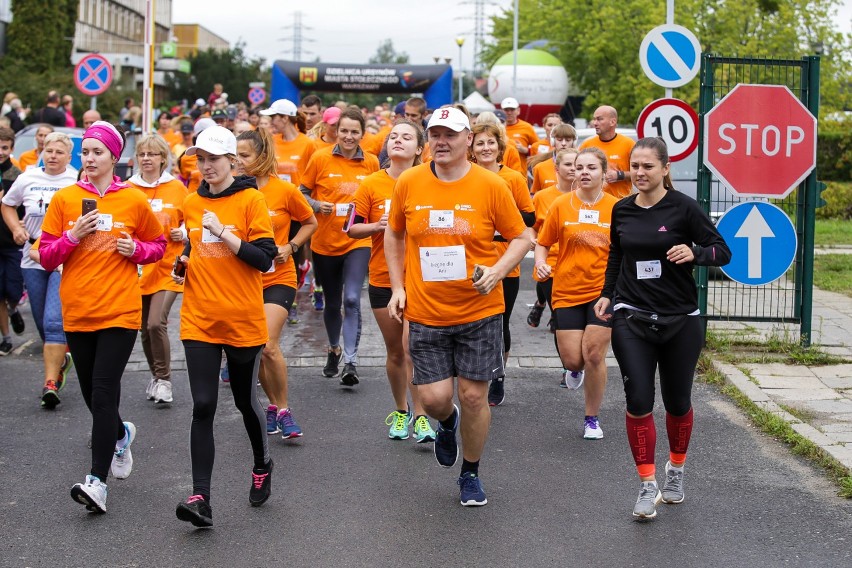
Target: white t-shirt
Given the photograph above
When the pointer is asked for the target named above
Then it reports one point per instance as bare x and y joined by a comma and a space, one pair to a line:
34, 189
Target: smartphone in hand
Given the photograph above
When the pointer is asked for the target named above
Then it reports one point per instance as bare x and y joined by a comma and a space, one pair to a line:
89, 205
179, 267
477, 274
350, 217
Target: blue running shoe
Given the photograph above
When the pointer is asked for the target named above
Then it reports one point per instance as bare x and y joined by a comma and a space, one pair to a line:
470, 490
317, 299
446, 446
272, 420
224, 375
287, 425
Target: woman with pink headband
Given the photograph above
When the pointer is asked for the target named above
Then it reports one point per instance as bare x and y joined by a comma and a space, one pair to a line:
112, 230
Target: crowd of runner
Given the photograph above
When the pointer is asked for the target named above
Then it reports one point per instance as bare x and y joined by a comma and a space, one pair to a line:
239, 209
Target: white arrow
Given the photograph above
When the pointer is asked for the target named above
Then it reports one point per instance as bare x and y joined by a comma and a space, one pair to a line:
755, 228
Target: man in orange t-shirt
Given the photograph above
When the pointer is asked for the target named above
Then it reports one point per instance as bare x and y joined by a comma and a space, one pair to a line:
616, 147
446, 278
518, 131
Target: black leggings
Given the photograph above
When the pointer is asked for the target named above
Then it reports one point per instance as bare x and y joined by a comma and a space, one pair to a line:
511, 285
544, 292
638, 360
202, 366
100, 358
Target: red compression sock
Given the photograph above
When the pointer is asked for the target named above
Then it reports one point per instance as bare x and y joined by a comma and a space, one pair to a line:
642, 436
679, 429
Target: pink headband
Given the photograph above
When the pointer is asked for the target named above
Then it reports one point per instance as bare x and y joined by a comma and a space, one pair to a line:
107, 134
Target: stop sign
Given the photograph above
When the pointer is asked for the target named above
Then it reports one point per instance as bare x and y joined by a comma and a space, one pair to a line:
760, 141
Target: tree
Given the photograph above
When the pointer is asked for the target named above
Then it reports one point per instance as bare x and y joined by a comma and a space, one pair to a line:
387, 54
598, 42
232, 68
39, 37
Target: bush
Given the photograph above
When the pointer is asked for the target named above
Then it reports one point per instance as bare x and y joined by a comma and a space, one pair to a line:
834, 155
838, 197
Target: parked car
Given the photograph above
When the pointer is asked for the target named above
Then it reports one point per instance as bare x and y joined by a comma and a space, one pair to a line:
25, 140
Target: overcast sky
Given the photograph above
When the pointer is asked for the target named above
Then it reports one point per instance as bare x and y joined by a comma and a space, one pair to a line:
350, 31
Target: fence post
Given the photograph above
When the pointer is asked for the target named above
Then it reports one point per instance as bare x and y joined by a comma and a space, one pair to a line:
812, 102
702, 193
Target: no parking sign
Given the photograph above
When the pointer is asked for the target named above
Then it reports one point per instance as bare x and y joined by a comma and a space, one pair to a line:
93, 75
256, 95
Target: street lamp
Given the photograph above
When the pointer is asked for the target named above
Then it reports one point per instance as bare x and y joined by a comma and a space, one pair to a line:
460, 42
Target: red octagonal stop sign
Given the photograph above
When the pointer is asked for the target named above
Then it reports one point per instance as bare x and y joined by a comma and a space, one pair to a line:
760, 141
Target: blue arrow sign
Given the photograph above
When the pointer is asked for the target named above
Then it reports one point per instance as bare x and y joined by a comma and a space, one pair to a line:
762, 240
670, 55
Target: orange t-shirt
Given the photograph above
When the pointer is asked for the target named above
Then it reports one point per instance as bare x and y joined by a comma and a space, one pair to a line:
542, 201
544, 174
333, 178
285, 203
540, 147
582, 232
223, 296
188, 167
449, 227
371, 202
321, 144
523, 132
27, 159
512, 159
167, 204
521, 196
373, 142
617, 152
293, 157
171, 137
100, 287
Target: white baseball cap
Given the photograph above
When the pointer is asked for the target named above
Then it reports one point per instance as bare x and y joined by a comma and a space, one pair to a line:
509, 102
452, 118
281, 106
201, 125
216, 140
200, 102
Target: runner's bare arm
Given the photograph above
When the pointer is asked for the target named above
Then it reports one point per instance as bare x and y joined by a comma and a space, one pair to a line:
491, 275
394, 255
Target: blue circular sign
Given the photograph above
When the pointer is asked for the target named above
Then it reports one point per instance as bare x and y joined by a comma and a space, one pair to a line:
762, 240
256, 95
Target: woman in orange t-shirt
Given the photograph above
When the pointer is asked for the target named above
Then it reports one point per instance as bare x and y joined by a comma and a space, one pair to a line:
486, 150
256, 156
340, 263
580, 221
544, 145
541, 168
112, 230
372, 204
231, 245
159, 291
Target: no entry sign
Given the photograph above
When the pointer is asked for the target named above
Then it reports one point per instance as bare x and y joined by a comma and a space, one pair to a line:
760, 140
93, 75
675, 122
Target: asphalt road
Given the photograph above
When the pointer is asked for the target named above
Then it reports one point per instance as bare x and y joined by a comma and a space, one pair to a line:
345, 495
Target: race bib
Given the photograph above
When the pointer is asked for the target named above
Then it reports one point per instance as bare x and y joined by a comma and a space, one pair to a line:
387, 205
441, 264
590, 216
104, 222
439, 219
156, 205
285, 177
208, 237
648, 269
341, 209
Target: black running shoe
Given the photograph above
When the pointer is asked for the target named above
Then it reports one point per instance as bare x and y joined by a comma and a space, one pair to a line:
195, 510
261, 485
17, 322
446, 446
534, 317
332, 364
349, 377
496, 393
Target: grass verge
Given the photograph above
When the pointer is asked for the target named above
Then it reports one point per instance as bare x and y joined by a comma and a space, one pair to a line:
832, 232
746, 346
833, 272
777, 427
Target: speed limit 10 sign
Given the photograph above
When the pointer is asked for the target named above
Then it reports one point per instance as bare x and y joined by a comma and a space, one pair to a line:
675, 122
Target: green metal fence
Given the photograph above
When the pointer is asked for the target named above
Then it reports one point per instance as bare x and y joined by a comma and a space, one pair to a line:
789, 299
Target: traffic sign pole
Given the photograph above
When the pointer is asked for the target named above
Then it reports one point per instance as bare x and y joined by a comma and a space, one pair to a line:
670, 21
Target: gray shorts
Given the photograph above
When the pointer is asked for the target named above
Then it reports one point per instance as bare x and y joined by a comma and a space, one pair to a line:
471, 350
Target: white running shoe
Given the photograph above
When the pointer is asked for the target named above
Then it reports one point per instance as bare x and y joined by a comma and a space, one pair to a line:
92, 493
572, 379
122, 460
152, 386
592, 428
163, 392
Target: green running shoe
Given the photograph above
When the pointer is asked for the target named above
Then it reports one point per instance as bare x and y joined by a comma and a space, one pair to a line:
423, 431
398, 422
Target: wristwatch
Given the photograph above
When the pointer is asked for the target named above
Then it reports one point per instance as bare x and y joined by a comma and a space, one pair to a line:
294, 246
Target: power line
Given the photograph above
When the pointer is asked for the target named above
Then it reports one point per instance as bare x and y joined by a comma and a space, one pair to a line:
297, 37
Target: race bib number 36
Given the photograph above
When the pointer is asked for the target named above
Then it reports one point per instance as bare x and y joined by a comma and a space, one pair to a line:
441, 219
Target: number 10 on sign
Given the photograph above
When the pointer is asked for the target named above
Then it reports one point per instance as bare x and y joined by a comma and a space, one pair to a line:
675, 122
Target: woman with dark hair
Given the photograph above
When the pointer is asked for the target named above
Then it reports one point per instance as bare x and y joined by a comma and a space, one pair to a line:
372, 204
112, 230
657, 236
166, 195
256, 156
231, 244
340, 263
486, 150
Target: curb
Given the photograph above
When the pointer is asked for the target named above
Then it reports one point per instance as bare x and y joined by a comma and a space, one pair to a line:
741, 382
